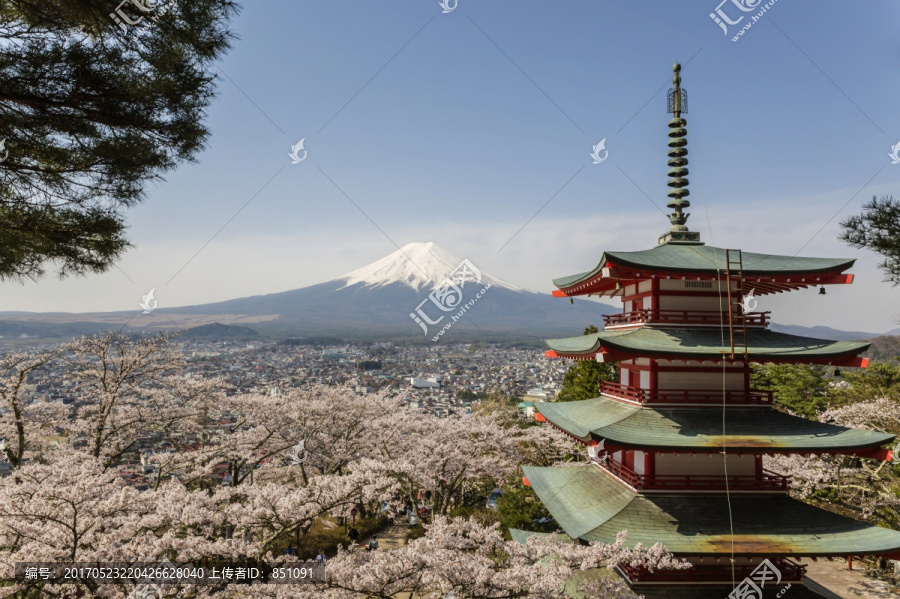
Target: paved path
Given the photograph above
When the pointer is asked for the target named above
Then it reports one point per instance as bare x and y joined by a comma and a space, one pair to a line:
847, 584
391, 537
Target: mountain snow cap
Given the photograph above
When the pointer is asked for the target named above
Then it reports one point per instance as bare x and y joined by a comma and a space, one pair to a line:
417, 265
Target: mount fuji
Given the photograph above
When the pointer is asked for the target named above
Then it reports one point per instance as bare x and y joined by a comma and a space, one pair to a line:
378, 299
407, 295
417, 265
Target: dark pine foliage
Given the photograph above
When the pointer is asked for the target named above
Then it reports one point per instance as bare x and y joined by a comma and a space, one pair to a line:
90, 113
878, 229
519, 507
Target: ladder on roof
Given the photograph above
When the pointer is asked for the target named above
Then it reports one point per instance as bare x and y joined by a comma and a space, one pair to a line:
737, 321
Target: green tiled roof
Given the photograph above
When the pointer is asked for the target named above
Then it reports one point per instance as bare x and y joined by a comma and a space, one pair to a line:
705, 343
699, 429
574, 498
697, 258
590, 505
579, 418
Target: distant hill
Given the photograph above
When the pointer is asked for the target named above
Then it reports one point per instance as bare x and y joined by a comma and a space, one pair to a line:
46, 330
382, 301
378, 299
218, 330
884, 348
376, 302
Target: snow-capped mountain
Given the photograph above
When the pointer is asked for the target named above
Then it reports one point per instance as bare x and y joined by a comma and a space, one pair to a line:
405, 295
382, 299
391, 298
418, 265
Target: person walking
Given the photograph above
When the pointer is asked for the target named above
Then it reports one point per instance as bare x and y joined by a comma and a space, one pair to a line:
320, 559
354, 535
373, 544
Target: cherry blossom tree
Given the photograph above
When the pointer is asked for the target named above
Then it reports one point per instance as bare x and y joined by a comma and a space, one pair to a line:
881, 414
15, 368
546, 445
110, 370
442, 455
177, 413
69, 509
474, 561
866, 486
73, 509
291, 459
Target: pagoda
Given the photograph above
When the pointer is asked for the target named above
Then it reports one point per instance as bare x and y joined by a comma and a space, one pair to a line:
678, 445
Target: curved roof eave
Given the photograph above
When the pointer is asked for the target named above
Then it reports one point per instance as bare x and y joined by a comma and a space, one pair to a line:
590, 505
704, 259
704, 343
750, 430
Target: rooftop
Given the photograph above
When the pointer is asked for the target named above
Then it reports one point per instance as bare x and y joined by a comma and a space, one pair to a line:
592, 506
677, 260
763, 345
701, 429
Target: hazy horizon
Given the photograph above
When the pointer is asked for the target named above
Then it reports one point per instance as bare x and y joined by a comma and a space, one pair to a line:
473, 130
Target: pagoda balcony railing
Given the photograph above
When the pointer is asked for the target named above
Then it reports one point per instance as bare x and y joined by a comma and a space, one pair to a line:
791, 571
676, 317
767, 482
686, 396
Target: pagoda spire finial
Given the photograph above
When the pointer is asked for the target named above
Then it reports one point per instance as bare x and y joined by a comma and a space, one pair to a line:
677, 105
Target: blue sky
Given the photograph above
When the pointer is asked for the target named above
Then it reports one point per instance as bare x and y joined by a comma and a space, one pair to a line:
458, 128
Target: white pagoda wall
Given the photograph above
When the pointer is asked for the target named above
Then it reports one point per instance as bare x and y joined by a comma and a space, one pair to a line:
712, 295
712, 380
642, 287
678, 379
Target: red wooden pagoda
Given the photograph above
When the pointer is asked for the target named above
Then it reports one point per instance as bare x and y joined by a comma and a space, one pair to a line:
679, 444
